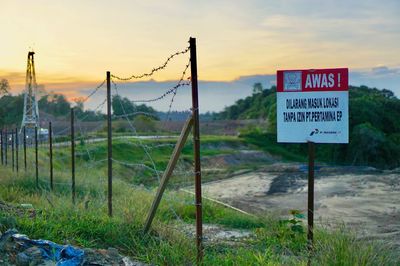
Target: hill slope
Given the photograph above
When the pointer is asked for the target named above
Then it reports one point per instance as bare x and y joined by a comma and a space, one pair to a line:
374, 127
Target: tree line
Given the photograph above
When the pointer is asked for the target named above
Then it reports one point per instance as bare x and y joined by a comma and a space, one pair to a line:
57, 106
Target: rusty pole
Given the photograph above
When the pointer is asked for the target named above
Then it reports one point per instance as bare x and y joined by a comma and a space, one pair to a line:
73, 155
25, 148
109, 144
36, 158
5, 146
310, 212
16, 149
196, 144
12, 149
51, 155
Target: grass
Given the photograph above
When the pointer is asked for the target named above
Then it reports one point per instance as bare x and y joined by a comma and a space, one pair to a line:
131, 151
267, 142
86, 224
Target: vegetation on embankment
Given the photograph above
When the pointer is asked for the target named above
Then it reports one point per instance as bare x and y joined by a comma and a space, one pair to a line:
374, 129
135, 160
274, 242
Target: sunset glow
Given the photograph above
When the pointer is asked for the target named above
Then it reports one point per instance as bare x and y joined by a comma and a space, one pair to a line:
76, 42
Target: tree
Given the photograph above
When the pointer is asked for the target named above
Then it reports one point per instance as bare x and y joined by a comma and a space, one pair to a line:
55, 104
79, 105
79, 101
4, 87
257, 88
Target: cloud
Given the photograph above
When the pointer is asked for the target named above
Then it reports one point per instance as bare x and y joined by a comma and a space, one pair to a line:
381, 77
63, 84
384, 70
13, 77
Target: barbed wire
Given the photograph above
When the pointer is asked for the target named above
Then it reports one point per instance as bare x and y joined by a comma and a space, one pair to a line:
161, 67
165, 94
136, 113
93, 128
94, 110
147, 162
58, 133
94, 90
81, 138
173, 90
141, 165
145, 149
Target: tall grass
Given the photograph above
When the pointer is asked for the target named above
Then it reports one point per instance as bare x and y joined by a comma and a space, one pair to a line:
86, 224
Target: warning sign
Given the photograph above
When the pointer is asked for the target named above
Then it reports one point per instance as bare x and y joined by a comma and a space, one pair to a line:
313, 105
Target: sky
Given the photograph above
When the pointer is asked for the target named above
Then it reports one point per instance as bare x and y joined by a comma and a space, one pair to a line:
76, 42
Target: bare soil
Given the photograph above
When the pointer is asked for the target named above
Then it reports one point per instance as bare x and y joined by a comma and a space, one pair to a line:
362, 198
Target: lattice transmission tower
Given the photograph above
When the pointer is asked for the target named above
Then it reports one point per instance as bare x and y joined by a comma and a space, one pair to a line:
30, 118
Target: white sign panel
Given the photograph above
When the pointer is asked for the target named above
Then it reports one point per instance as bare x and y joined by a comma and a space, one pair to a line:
313, 106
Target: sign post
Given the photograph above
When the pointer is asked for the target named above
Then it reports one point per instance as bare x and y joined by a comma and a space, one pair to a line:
310, 198
312, 107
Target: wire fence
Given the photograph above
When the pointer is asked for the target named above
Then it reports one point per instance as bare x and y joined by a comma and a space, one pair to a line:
74, 158
145, 151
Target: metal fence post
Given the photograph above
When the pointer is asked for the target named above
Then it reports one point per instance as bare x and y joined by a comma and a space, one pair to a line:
73, 155
109, 144
51, 155
6, 146
24, 147
12, 150
36, 157
16, 149
196, 140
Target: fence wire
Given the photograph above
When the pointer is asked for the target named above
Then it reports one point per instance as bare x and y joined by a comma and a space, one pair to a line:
147, 166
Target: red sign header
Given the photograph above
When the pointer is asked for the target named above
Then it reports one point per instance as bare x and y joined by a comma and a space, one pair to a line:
334, 79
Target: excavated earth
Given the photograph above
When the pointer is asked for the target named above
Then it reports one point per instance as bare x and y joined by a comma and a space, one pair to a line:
363, 198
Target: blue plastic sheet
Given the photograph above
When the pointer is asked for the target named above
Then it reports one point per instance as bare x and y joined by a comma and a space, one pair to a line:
63, 255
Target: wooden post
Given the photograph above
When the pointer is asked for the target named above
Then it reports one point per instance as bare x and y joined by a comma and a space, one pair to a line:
16, 149
109, 144
12, 150
25, 148
73, 155
36, 157
168, 171
196, 140
310, 216
51, 155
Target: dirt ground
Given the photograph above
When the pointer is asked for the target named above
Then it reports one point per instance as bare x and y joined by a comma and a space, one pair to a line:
364, 199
